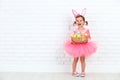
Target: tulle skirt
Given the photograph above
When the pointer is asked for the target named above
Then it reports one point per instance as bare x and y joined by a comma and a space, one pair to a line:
80, 49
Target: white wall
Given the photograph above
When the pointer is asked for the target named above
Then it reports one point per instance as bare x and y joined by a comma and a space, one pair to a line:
32, 33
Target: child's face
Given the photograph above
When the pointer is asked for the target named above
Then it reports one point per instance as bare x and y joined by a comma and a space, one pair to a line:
80, 22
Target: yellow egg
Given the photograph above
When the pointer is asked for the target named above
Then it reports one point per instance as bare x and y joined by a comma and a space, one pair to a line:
86, 34
74, 35
78, 35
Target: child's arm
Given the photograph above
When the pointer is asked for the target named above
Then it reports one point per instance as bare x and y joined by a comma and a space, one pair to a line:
74, 29
88, 32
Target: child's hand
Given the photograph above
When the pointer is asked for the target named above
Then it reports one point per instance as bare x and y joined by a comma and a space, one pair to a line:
72, 40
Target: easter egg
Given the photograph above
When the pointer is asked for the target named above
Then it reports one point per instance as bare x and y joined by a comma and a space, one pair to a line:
86, 34
78, 32
74, 35
78, 35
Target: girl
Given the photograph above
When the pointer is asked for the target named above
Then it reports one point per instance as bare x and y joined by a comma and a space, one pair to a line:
80, 50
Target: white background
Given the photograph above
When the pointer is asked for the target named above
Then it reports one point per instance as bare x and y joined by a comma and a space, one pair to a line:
32, 34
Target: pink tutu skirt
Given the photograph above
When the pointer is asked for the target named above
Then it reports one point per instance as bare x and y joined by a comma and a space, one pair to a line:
78, 49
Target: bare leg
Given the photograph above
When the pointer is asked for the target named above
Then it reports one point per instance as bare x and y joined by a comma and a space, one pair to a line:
74, 64
83, 65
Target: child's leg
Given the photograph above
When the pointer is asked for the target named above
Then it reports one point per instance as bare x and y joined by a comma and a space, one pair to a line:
82, 60
74, 64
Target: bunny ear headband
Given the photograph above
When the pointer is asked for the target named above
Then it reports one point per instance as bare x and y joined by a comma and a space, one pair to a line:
77, 14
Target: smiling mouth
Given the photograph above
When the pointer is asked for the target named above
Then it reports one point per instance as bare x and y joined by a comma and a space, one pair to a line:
79, 24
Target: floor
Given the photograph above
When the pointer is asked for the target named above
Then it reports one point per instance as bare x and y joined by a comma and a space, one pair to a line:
56, 76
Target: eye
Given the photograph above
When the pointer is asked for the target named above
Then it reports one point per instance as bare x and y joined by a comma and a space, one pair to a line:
81, 20
77, 20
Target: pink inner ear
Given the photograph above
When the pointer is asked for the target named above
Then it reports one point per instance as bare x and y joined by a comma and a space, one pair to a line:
75, 13
84, 11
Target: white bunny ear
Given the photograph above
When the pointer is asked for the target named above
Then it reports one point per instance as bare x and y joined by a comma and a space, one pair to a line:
84, 12
75, 13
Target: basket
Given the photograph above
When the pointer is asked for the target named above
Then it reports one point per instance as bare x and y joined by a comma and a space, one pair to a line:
79, 38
